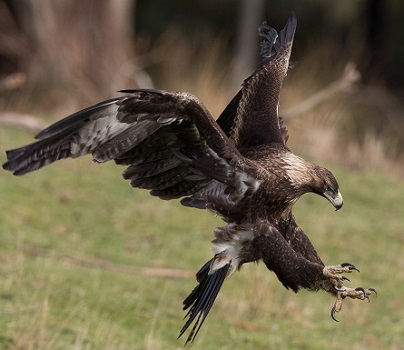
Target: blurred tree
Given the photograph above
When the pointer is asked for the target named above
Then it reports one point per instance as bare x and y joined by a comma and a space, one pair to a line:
247, 39
375, 23
81, 46
87, 45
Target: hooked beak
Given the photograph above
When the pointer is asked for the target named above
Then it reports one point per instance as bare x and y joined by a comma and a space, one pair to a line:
336, 201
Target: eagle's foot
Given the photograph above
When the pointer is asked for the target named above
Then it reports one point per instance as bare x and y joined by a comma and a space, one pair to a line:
334, 274
354, 293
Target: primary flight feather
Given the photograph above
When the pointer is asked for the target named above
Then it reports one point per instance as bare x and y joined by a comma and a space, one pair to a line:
238, 167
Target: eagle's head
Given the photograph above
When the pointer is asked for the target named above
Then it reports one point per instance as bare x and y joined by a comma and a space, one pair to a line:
326, 185
307, 177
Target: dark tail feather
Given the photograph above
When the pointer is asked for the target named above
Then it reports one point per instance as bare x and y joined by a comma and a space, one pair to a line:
201, 299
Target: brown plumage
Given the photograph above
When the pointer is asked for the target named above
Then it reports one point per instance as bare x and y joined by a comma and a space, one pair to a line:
239, 167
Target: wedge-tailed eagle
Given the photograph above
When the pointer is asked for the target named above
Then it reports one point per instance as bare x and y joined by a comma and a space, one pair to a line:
238, 167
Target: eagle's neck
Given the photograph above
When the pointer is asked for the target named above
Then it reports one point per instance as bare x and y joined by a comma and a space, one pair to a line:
300, 173
284, 165
295, 178
285, 178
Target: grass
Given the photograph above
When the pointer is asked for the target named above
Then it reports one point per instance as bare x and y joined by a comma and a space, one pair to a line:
78, 209
87, 218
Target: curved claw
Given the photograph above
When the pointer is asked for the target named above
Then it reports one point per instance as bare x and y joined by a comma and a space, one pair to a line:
365, 296
373, 290
333, 311
360, 289
350, 266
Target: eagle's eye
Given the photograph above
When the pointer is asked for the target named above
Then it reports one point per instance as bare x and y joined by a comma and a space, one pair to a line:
327, 188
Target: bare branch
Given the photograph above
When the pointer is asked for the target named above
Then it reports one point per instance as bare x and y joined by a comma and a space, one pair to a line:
346, 84
25, 121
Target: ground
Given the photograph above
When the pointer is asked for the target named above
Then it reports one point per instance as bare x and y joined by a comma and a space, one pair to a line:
72, 235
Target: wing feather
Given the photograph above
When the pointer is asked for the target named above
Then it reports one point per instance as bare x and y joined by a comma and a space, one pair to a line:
171, 144
251, 118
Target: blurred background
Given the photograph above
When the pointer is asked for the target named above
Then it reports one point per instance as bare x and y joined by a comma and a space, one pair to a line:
88, 263
58, 56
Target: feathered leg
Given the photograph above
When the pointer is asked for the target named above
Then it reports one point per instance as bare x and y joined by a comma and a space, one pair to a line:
291, 267
304, 267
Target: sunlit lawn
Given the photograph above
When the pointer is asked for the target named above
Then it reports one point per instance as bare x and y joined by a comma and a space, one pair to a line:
76, 209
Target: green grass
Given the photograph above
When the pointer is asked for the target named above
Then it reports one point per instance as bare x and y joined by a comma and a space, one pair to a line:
78, 209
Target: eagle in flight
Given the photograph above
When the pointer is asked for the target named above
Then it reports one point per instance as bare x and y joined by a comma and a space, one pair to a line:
239, 167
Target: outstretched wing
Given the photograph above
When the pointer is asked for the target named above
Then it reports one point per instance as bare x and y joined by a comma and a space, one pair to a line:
170, 142
251, 118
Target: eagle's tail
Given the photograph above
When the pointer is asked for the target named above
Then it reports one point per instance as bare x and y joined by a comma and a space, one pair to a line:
201, 299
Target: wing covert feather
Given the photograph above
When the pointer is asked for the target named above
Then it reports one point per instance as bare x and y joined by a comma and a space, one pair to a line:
171, 144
